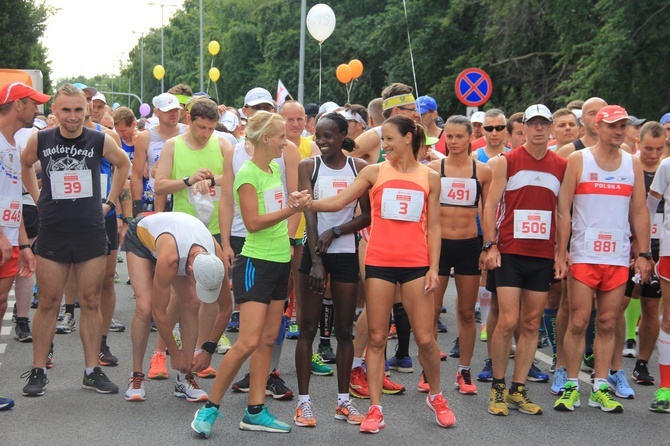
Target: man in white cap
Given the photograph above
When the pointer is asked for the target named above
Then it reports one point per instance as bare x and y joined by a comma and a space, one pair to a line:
174, 249
98, 107
520, 249
477, 120
257, 99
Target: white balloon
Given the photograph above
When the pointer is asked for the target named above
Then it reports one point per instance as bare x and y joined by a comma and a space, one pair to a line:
321, 22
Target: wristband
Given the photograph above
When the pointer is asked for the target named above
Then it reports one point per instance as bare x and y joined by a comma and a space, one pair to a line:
209, 347
22, 247
137, 207
111, 204
293, 242
213, 182
127, 220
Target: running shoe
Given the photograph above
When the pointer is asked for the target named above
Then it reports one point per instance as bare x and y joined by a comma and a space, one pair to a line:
486, 375
569, 398
661, 401
152, 326
478, 315
358, 383
441, 328
587, 362
423, 385
373, 422
319, 368
242, 386
390, 387
204, 420
497, 400
456, 349
158, 366
37, 382
15, 314
402, 365
519, 400
443, 414
629, 349
105, 357
444, 309
234, 322
263, 421
66, 325
619, 383
22, 331
304, 416
641, 374
98, 381
188, 388
208, 373
537, 375
393, 332
464, 383
276, 387
6, 403
176, 335
135, 390
117, 278
119, 258
543, 339
293, 331
326, 353
483, 335
559, 381
223, 345
443, 356
116, 326
349, 413
552, 368
604, 399
50, 357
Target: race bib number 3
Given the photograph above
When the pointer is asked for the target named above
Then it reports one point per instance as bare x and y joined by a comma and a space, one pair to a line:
10, 212
71, 184
458, 191
529, 224
274, 200
605, 242
402, 204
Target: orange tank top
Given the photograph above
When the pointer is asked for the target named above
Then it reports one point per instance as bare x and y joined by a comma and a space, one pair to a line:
398, 229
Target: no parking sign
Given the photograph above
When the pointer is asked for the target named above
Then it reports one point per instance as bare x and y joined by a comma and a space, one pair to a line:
473, 87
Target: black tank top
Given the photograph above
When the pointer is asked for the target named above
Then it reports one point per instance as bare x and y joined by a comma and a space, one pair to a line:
579, 145
80, 156
474, 177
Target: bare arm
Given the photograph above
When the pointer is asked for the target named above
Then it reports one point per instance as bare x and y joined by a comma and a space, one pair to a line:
640, 220
364, 181
495, 193
226, 207
28, 159
119, 159
139, 165
573, 173
434, 231
367, 146
253, 220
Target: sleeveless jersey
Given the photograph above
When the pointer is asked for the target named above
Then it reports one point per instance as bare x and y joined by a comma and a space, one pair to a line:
156, 143
130, 151
441, 144
579, 145
185, 229
463, 192
21, 139
328, 182
526, 211
71, 198
10, 190
398, 229
305, 150
600, 227
661, 185
187, 161
657, 222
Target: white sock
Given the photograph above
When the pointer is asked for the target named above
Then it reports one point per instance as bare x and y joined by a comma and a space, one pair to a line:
342, 397
358, 362
89, 370
484, 297
432, 397
463, 367
597, 382
574, 381
663, 345
303, 399
378, 407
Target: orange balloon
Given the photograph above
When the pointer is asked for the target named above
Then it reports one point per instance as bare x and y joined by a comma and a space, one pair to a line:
343, 73
356, 67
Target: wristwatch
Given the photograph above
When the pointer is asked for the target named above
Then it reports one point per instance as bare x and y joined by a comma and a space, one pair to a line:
186, 182
487, 246
647, 255
109, 203
337, 231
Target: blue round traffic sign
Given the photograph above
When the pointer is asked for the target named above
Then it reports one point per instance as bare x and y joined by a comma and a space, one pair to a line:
473, 87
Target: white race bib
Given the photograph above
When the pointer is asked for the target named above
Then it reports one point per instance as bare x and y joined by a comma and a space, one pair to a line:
274, 200
656, 226
402, 204
215, 193
458, 191
10, 212
529, 224
330, 186
71, 184
605, 242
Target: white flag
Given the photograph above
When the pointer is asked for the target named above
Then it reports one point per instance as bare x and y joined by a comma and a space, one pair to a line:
282, 93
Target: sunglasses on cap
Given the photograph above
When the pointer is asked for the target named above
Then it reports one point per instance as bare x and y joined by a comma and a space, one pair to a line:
497, 128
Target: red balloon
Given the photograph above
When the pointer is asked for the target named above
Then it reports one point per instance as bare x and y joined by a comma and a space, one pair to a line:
343, 73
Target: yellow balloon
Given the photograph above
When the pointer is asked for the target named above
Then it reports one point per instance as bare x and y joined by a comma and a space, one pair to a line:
214, 47
159, 72
214, 74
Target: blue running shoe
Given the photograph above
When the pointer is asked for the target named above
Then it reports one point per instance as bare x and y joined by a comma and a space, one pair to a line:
560, 378
293, 331
263, 421
204, 420
456, 350
402, 365
6, 403
234, 322
441, 328
537, 375
619, 383
486, 375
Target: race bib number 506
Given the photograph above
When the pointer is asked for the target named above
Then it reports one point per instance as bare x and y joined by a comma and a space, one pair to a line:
532, 224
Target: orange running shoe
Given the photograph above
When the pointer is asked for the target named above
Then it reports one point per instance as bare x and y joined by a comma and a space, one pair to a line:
348, 412
393, 332
464, 383
391, 388
358, 383
158, 366
443, 356
304, 416
443, 414
209, 372
374, 421
423, 385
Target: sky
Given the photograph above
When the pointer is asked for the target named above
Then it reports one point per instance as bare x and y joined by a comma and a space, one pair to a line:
105, 34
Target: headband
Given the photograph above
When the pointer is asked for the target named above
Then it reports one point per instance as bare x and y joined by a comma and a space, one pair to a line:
397, 101
183, 99
350, 115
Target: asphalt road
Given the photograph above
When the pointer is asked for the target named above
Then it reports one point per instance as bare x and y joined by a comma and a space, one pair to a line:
69, 415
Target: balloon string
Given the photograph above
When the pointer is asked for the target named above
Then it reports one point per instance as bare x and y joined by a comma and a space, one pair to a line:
320, 72
411, 54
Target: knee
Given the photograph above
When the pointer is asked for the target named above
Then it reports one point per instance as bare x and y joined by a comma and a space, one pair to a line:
143, 310
424, 341
577, 324
246, 346
506, 324
377, 340
606, 324
89, 303
466, 317
308, 329
531, 325
344, 332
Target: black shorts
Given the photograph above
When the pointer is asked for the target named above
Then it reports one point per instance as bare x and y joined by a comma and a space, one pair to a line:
342, 267
236, 243
650, 290
256, 280
395, 275
491, 281
112, 230
525, 272
133, 244
31, 220
462, 255
71, 247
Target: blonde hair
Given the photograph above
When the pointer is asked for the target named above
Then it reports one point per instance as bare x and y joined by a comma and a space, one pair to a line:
261, 124
69, 90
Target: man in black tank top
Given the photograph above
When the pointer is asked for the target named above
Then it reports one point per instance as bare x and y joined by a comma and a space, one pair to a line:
71, 229
589, 111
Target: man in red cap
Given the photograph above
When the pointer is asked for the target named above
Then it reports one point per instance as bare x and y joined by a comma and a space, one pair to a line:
604, 185
18, 108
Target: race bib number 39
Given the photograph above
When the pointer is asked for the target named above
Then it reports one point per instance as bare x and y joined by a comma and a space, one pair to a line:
606, 242
402, 204
529, 224
10, 212
274, 200
71, 184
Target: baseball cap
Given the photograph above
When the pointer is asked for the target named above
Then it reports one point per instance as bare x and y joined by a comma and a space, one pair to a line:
431, 141
538, 110
578, 113
202, 93
83, 87
257, 96
18, 90
311, 109
612, 113
99, 97
166, 102
208, 273
477, 117
230, 120
39, 124
632, 120
328, 107
426, 104
665, 118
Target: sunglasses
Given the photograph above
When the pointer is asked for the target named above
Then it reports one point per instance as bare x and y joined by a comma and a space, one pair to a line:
497, 128
413, 110
263, 107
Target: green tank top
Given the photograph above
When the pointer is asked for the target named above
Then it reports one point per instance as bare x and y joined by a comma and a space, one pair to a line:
185, 163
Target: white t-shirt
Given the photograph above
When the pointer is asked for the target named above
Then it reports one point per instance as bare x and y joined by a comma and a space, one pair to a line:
661, 185
10, 190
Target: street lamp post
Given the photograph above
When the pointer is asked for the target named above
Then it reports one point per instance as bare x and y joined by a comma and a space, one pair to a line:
202, 82
162, 5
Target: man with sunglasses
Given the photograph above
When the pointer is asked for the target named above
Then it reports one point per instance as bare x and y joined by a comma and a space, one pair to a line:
495, 134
